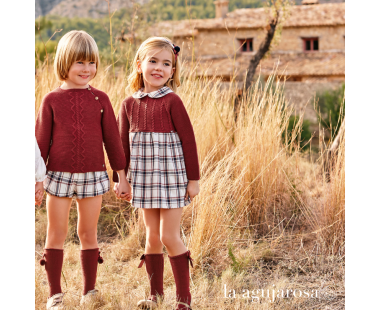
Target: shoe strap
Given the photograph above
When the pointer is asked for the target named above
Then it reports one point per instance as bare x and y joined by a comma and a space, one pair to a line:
153, 298
142, 258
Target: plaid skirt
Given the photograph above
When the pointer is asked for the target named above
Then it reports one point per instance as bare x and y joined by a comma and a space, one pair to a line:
82, 185
157, 171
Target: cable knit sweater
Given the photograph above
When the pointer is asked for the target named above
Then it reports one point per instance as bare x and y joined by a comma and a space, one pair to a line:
72, 125
165, 114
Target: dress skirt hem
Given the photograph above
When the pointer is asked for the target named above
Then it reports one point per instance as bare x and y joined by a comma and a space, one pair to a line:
157, 171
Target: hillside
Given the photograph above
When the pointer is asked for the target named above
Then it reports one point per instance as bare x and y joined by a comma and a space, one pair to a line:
165, 9
43, 7
81, 8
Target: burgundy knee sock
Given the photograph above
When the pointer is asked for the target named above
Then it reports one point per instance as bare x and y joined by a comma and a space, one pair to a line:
89, 260
154, 264
181, 272
52, 260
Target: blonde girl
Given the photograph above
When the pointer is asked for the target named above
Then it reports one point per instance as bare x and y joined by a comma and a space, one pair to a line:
162, 162
73, 123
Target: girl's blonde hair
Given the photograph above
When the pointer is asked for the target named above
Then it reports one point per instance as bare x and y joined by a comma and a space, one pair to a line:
135, 79
74, 45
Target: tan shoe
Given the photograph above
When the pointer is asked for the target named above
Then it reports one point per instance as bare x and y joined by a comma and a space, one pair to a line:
55, 302
89, 297
150, 303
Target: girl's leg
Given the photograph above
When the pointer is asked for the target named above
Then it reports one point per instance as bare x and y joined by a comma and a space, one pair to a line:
153, 257
178, 255
153, 243
58, 217
88, 216
170, 222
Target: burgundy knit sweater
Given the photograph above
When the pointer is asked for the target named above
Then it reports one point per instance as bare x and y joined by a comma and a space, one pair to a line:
165, 114
71, 127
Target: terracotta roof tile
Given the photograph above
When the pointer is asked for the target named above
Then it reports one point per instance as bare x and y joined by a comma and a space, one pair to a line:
329, 14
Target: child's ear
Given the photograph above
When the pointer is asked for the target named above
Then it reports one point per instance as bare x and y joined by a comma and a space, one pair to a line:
139, 66
173, 70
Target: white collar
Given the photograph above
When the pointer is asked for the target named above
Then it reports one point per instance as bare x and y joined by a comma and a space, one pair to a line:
154, 94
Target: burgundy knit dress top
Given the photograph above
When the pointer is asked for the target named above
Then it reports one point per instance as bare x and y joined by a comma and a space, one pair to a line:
160, 149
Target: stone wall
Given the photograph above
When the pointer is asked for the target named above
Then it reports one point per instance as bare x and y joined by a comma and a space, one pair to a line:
221, 42
302, 95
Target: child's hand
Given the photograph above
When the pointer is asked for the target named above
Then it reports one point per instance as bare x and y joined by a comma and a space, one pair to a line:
123, 190
38, 198
192, 189
38, 193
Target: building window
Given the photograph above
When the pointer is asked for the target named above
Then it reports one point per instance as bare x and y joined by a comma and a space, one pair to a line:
246, 45
310, 44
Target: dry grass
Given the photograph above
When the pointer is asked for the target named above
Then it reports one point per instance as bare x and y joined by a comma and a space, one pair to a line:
265, 217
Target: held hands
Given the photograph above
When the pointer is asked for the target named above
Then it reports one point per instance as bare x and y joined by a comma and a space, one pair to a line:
38, 193
123, 190
192, 189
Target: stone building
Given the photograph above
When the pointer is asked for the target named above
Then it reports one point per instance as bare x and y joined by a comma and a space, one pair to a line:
310, 53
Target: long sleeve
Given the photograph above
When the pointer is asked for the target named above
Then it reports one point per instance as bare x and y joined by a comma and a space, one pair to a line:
182, 124
123, 125
111, 137
40, 168
44, 127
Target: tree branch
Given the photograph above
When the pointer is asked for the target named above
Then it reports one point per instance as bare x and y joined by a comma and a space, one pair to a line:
263, 49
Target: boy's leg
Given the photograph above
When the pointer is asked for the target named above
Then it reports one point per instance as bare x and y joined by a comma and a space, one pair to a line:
58, 217
88, 216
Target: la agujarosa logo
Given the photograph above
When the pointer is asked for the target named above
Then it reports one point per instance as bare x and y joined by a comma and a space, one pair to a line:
271, 294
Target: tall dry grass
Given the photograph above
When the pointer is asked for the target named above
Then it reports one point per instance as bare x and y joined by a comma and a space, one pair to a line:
333, 207
256, 190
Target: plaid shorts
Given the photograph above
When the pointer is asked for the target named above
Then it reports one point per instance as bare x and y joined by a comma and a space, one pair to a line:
82, 185
157, 171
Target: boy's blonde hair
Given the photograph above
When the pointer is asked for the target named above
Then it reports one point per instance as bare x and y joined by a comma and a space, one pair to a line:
74, 45
135, 79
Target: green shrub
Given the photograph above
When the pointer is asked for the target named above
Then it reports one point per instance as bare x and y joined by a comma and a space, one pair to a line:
330, 104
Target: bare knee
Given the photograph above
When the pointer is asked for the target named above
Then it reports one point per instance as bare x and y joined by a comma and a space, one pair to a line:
153, 239
169, 240
56, 237
87, 237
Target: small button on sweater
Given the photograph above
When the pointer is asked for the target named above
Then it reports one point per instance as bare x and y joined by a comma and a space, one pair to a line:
71, 127
165, 114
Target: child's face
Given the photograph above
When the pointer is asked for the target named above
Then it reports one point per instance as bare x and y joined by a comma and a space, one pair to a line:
157, 68
81, 72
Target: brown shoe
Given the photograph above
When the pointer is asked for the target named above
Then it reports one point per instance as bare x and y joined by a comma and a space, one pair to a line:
181, 272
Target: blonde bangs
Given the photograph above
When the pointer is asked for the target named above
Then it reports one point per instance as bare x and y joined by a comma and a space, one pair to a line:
135, 79
73, 46
86, 51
